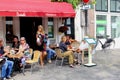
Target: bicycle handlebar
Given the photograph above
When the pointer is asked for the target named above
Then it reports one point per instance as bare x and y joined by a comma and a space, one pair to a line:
102, 36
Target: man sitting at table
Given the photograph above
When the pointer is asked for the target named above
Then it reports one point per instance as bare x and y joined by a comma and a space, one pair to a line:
83, 46
5, 64
66, 51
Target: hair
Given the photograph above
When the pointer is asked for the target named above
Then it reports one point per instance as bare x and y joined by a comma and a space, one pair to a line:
40, 26
15, 37
1, 40
62, 38
23, 38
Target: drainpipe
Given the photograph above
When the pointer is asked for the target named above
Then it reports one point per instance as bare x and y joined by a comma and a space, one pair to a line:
86, 21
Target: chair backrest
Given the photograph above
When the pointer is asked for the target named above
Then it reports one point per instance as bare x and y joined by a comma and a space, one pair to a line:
31, 51
75, 44
58, 52
36, 55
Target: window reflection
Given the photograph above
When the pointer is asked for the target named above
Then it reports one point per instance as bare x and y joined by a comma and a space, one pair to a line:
115, 26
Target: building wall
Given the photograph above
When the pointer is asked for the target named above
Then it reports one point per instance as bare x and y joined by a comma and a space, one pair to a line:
110, 24
16, 26
2, 29
91, 23
80, 28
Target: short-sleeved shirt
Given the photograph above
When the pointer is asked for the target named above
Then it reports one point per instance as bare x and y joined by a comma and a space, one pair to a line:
63, 46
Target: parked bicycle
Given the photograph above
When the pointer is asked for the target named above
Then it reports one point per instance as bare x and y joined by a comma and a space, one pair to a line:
109, 42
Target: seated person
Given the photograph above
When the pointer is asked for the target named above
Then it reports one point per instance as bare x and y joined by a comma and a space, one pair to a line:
69, 40
83, 46
15, 44
6, 64
23, 50
66, 51
50, 52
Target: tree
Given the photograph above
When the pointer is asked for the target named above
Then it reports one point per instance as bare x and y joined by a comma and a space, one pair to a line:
73, 2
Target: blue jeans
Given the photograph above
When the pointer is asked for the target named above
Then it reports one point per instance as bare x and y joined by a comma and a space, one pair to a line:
6, 69
50, 53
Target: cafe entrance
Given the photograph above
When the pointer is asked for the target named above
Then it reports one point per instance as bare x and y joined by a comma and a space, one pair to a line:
28, 29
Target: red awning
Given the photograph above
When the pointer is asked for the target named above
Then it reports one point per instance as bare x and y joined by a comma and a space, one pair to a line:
35, 8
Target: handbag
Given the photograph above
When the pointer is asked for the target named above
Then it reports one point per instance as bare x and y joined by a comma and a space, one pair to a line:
38, 41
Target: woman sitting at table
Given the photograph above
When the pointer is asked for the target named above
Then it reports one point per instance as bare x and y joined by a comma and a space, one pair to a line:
22, 54
23, 50
66, 51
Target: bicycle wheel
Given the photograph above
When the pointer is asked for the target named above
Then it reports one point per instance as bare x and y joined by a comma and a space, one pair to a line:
112, 44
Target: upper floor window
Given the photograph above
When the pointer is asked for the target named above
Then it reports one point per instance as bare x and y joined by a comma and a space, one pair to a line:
101, 5
115, 26
115, 5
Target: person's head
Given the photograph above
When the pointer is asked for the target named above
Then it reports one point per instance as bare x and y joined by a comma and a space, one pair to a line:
67, 37
22, 40
63, 39
1, 42
15, 39
46, 35
40, 29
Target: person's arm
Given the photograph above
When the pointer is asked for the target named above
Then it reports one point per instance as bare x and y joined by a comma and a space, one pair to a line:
26, 47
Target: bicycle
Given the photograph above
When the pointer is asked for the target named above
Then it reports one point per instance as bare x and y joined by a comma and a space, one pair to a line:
109, 42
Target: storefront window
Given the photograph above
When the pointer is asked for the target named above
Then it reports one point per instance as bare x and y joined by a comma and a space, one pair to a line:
50, 28
101, 24
115, 5
9, 29
101, 5
115, 26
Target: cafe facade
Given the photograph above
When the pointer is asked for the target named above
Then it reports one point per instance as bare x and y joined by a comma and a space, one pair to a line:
23, 18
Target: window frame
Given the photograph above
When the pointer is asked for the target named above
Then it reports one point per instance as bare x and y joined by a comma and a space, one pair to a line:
51, 26
102, 6
103, 24
115, 7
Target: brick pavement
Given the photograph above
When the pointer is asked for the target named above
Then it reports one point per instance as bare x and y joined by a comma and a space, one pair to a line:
107, 68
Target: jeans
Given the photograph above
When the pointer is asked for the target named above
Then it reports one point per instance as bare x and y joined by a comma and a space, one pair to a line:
50, 53
6, 69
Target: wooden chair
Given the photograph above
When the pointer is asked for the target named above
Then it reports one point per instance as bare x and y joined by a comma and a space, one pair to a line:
76, 45
31, 51
59, 56
33, 61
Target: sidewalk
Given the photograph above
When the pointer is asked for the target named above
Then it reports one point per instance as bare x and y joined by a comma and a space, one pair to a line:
108, 68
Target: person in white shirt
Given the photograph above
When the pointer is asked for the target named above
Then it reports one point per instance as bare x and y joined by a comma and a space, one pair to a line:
84, 45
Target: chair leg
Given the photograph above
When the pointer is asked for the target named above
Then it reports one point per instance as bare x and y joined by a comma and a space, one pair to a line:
38, 66
56, 61
62, 61
31, 68
23, 70
79, 60
82, 57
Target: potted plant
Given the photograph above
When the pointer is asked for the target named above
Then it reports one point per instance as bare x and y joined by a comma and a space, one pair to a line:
63, 29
